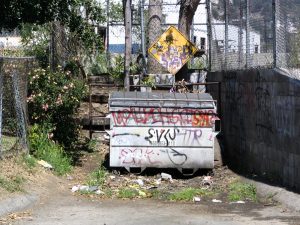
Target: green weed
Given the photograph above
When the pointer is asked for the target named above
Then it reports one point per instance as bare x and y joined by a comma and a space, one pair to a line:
188, 194
239, 191
29, 161
98, 177
12, 185
127, 193
43, 148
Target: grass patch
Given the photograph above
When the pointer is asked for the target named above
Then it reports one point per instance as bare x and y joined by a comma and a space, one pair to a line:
8, 142
43, 148
29, 161
127, 193
98, 177
12, 185
188, 194
239, 191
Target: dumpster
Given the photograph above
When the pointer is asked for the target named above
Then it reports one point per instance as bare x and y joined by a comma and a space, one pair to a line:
162, 130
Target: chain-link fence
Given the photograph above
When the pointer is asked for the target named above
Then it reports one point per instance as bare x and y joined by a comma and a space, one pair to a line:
13, 95
254, 34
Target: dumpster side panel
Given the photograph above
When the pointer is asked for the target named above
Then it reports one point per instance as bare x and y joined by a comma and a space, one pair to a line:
161, 157
162, 136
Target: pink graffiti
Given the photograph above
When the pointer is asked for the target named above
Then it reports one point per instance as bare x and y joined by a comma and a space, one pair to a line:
138, 156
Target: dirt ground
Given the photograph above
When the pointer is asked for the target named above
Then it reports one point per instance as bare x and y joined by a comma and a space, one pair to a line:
58, 205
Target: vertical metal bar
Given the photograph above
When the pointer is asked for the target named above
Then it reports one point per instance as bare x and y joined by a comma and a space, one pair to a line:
107, 33
209, 34
247, 34
90, 112
220, 99
274, 7
1, 103
128, 42
192, 38
142, 3
226, 3
240, 41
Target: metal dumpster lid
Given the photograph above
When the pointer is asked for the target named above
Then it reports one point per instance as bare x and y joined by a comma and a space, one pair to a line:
161, 100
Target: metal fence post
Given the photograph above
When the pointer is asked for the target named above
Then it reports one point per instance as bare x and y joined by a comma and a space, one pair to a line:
240, 37
142, 3
274, 7
1, 104
226, 3
247, 34
209, 34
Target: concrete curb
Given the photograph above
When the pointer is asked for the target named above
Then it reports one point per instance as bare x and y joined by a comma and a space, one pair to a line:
16, 203
288, 199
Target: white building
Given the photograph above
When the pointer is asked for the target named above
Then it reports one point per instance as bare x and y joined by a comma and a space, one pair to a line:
10, 39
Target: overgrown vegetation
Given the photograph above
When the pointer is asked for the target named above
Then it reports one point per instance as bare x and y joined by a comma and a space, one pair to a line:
29, 161
188, 194
98, 177
42, 147
239, 191
11, 185
54, 98
127, 193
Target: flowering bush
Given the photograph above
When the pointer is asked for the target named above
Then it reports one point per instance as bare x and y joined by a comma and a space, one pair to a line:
54, 98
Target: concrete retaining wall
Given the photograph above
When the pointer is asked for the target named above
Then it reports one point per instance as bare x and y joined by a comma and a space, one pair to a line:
261, 123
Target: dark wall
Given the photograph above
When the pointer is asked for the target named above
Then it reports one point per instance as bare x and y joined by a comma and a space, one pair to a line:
261, 123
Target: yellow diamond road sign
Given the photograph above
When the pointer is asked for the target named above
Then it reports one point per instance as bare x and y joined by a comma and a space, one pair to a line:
172, 50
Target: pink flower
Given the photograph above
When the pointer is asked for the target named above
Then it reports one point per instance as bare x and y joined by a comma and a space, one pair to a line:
45, 107
59, 100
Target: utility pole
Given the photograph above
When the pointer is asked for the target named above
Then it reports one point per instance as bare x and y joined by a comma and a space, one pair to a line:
128, 42
107, 33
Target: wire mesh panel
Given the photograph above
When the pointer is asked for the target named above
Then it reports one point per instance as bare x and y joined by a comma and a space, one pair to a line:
242, 34
13, 95
288, 35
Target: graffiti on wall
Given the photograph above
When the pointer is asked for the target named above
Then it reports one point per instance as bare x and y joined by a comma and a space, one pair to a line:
172, 50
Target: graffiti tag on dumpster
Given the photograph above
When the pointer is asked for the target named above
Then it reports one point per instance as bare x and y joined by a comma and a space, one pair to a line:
164, 116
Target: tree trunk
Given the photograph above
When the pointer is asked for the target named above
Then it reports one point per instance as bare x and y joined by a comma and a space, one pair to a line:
186, 15
128, 42
154, 31
59, 52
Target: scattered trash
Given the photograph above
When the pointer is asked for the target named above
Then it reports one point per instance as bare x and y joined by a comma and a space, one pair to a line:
75, 188
207, 181
216, 201
92, 188
112, 177
84, 188
106, 137
196, 199
116, 172
238, 202
165, 176
45, 164
142, 194
69, 177
99, 192
139, 182
158, 181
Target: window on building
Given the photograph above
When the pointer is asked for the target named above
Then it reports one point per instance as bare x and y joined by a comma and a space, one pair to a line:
202, 43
